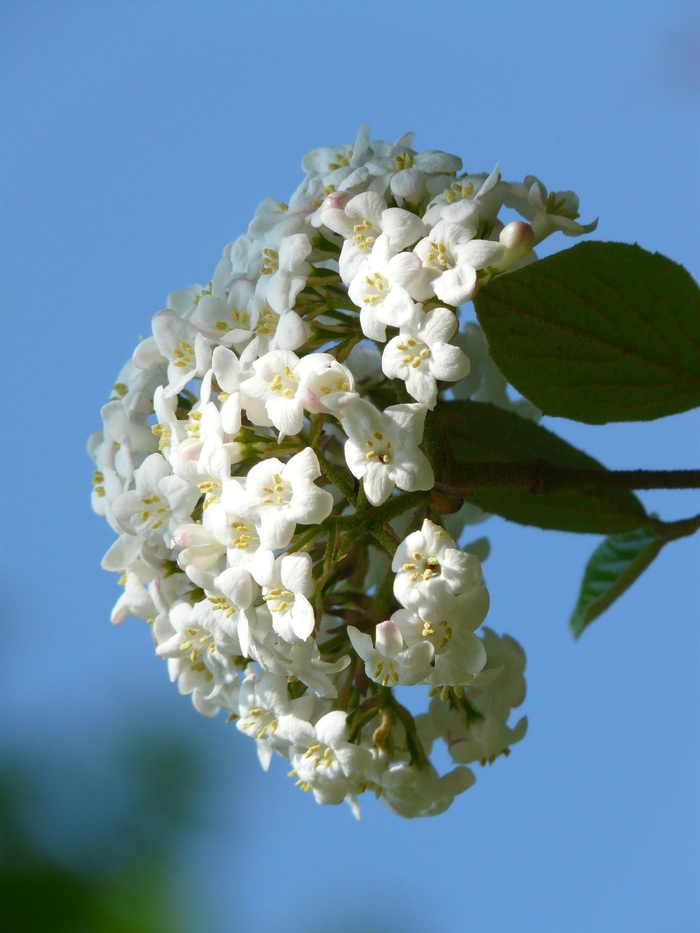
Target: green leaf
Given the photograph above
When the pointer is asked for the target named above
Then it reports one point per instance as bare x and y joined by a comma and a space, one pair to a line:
479, 431
597, 333
612, 569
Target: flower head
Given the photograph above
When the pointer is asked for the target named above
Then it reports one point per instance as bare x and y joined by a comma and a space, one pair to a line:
265, 461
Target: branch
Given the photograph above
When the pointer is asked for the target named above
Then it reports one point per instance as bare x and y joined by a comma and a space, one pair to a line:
541, 477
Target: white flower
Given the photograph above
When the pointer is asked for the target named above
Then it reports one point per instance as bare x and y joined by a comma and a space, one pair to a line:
275, 496
451, 256
159, 497
284, 272
557, 210
229, 375
421, 354
225, 318
382, 448
458, 653
205, 460
186, 349
282, 382
328, 389
476, 728
169, 429
339, 164
202, 656
476, 196
134, 387
275, 383
391, 662
323, 760
383, 290
230, 593
284, 219
135, 600
412, 792
263, 701
130, 435
238, 535
431, 571
361, 221
287, 583
267, 331
200, 548
408, 173
107, 483
304, 662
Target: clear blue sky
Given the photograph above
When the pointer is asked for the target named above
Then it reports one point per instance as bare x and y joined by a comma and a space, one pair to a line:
137, 140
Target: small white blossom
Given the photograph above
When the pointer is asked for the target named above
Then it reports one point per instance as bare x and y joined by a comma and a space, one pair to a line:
547, 212
158, 499
284, 272
383, 289
200, 548
186, 349
382, 448
201, 654
286, 585
451, 257
421, 354
283, 383
459, 654
430, 570
361, 221
390, 661
413, 792
323, 761
276, 495
263, 701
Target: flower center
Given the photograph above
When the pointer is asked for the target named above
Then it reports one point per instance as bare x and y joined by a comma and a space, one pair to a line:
439, 256
421, 568
415, 352
278, 493
379, 448
360, 237
270, 262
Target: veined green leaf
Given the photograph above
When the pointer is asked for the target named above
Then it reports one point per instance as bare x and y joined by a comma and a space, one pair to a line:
599, 332
612, 569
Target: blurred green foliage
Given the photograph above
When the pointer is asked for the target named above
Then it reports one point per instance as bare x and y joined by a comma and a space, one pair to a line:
113, 869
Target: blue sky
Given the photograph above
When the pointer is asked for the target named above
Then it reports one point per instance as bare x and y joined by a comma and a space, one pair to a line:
137, 141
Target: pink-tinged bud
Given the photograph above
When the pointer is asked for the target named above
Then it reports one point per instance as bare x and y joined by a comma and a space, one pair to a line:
312, 402
336, 200
518, 238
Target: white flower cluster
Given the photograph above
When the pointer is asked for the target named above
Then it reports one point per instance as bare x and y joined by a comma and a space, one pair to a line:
265, 462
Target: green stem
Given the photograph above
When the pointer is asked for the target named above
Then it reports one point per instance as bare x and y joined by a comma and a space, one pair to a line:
301, 543
397, 505
345, 346
384, 599
339, 476
385, 536
415, 747
542, 477
331, 547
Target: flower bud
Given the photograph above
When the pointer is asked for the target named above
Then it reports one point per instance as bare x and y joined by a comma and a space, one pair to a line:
518, 238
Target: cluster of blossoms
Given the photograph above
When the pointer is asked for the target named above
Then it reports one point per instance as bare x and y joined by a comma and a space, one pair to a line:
267, 460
